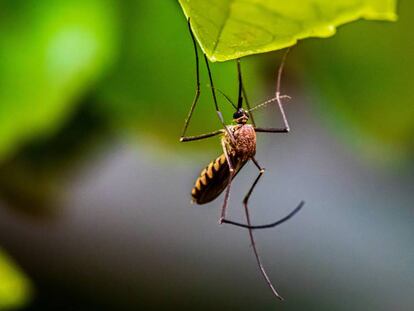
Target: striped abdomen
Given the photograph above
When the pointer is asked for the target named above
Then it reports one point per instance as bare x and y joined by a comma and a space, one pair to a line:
214, 179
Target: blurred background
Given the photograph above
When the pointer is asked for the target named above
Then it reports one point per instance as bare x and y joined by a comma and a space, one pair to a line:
95, 209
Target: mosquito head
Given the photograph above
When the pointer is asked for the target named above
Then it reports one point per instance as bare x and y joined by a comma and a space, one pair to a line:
240, 116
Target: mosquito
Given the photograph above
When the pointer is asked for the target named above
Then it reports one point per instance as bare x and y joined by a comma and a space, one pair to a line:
238, 142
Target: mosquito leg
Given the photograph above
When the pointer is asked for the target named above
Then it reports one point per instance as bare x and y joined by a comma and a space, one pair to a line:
197, 93
231, 175
239, 96
267, 226
202, 136
248, 107
256, 254
184, 138
244, 91
285, 128
213, 92
246, 200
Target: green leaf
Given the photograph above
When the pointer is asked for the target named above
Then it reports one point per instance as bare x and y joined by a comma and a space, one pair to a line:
228, 29
15, 288
51, 52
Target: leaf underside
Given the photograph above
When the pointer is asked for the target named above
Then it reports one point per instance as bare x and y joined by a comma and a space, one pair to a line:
229, 29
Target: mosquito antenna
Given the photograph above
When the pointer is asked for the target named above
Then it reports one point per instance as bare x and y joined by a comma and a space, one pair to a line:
269, 101
228, 98
240, 97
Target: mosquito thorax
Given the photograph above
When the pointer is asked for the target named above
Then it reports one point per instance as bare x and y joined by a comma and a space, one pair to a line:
240, 116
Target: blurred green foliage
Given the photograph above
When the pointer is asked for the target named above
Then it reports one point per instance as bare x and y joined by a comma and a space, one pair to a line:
228, 29
15, 289
33, 180
50, 53
361, 80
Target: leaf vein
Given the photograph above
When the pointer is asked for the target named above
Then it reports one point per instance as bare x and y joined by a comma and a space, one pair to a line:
222, 27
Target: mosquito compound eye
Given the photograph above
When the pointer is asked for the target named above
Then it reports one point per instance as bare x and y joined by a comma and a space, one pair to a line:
238, 114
